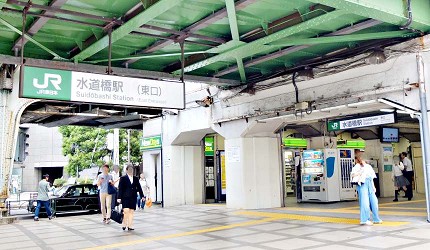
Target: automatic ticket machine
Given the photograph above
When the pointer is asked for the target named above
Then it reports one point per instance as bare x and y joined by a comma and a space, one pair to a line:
320, 175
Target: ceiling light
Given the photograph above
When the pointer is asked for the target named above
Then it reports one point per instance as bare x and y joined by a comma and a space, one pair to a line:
387, 110
397, 106
332, 108
364, 103
403, 112
376, 57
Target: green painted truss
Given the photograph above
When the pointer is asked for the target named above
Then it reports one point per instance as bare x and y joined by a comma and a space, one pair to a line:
240, 40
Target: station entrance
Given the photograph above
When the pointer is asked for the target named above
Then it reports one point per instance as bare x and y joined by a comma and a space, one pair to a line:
317, 158
214, 169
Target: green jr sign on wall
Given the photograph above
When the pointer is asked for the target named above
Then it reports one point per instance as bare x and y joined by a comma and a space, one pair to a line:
151, 143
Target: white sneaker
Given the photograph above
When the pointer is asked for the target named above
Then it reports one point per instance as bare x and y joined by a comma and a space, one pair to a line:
377, 222
367, 223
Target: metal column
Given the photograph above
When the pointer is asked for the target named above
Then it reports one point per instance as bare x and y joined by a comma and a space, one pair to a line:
424, 128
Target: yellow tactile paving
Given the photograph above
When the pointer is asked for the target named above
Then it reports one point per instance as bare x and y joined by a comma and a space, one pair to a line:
355, 211
400, 203
269, 216
170, 236
281, 216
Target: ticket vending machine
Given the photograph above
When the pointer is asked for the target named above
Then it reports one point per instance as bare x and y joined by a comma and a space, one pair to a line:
320, 176
346, 163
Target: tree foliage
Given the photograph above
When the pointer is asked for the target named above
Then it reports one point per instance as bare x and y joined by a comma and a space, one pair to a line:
86, 146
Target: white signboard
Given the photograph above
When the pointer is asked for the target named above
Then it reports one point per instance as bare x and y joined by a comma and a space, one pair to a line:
367, 121
233, 154
51, 84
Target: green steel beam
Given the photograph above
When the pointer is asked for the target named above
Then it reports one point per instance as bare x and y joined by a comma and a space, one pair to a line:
388, 11
13, 28
2, 3
259, 46
241, 69
125, 29
147, 56
232, 19
344, 38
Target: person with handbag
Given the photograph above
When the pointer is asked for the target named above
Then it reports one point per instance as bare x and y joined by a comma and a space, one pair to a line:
400, 182
128, 188
105, 182
144, 185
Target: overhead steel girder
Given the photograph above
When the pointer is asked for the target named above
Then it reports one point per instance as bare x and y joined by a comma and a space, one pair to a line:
133, 24
259, 46
388, 11
345, 38
283, 52
201, 24
2, 3
232, 19
38, 24
11, 27
100, 69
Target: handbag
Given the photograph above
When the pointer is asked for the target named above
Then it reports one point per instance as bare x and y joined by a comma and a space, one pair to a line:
111, 189
117, 216
148, 202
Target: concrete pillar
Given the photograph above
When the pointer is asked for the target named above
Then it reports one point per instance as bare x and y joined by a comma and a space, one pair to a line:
11, 110
253, 172
183, 175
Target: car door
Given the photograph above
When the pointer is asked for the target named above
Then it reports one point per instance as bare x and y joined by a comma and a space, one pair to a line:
70, 200
91, 197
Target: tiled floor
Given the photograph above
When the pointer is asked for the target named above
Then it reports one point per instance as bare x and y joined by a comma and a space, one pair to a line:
216, 227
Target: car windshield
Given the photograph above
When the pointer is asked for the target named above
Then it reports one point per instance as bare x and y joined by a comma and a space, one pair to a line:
61, 191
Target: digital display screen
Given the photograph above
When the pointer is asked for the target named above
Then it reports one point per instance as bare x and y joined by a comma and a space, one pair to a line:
389, 135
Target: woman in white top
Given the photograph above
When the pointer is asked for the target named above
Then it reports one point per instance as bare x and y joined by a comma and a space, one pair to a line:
363, 174
400, 182
144, 185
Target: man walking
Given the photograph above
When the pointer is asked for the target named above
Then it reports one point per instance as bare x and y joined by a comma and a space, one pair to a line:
43, 197
409, 174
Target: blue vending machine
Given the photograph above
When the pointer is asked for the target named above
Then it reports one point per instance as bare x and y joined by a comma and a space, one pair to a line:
320, 176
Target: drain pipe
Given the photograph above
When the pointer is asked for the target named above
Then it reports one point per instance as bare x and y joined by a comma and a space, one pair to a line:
295, 86
425, 127
409, 22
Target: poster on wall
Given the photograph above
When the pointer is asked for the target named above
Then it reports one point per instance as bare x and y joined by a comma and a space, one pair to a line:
233, 154
223, 176
387, 158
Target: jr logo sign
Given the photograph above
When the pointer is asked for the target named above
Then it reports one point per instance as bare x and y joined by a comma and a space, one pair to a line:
53, 78
40, 83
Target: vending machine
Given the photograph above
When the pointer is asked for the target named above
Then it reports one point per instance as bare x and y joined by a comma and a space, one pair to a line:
320, 176
346, 163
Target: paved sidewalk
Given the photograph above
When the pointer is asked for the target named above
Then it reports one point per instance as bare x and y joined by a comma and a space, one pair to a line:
216, 227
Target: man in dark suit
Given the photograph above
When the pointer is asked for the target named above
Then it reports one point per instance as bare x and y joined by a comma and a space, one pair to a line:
127, 196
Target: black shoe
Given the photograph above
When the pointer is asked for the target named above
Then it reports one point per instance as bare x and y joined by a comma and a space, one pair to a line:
130, 229
123, 228
405, 196
409, 199
395, 200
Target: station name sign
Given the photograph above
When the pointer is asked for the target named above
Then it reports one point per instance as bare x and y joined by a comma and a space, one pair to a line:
52, 84
361, 122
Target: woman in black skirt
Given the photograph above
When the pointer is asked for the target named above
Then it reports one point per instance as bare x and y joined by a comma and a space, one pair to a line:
127, 195
400, 182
